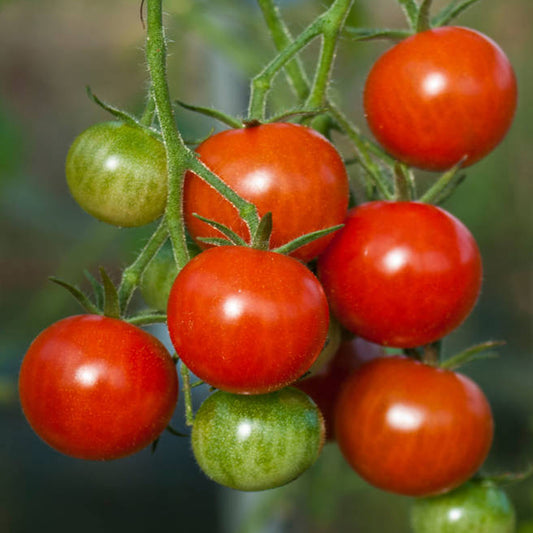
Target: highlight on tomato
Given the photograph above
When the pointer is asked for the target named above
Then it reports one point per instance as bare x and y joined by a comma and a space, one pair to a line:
94, 387
287, 169
401, 274
118, 174
412, 429
441, 97
245, 320
253, 443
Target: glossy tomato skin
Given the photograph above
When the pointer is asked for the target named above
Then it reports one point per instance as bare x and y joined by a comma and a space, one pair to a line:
286, 169
118, 174
325, 385
245, 320
97, 388
476, 507
401, 274
439, 96
412, 429
258, 442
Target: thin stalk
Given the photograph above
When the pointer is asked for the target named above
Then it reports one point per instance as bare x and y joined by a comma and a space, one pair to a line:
149, 111
131, 276
187, 395
176, 150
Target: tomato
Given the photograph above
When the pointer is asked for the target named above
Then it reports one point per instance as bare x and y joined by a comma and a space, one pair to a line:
258, 442
439, 96
94, 387
246, 320
118, 174
412, 429
476, 507
401, 273
286, 169
324, 386
158, 278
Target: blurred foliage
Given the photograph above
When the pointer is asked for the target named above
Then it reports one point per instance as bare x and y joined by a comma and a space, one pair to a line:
51, 50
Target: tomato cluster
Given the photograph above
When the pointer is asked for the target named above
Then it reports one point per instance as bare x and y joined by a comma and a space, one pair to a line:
250, 321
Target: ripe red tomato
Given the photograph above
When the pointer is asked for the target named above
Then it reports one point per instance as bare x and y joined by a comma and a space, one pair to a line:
439, 96
287, 169
401, 274
118, 174
412, 429
245, 320
324, 387
94, 387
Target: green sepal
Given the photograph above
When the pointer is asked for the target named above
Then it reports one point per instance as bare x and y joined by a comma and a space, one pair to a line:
423, 21
410, 8
479, 351
261, 238
506, 478
111, 302
230, 121
175, 432
81, 297
404, 183
445, 185
305, 239
147, 319
300, 113
374, 34
230, 234
214, 241
451, 11
98, 290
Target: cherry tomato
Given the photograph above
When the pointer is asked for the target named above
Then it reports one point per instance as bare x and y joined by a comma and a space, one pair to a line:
412, 429
245, 320
439, 96
476, 507
257, 442
401, 273
324, 386
286, 169
118, 174
94, 387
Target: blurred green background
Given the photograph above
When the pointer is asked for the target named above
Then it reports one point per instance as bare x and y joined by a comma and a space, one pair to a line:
50, 50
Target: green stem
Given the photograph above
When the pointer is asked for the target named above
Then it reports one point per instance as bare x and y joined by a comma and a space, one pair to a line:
176, 150
131, 276
187, 395
149, 111
282, 38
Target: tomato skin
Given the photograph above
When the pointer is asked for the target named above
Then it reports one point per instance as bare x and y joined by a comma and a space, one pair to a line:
286, 169
254, 443
440, 95
118, 174
401, 274
325, 385
412, 429
476, 507
97, 388
245, 320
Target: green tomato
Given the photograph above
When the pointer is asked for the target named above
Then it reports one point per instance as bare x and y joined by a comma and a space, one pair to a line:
253, 443
158, 278
475, 507
118, 173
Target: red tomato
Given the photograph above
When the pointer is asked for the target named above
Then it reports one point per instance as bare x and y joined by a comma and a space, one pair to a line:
412, 429
401, 274
97, 388
245, 320
287, 169
324, 386
439, 96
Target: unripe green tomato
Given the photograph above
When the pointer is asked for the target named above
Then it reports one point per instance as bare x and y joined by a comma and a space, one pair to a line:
118, 174
475, 507
158, 278
259, 442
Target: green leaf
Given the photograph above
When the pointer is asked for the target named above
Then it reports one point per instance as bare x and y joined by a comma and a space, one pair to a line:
111, 302
230, 234
98, 290
450, 12
305, 239
82, 298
